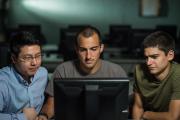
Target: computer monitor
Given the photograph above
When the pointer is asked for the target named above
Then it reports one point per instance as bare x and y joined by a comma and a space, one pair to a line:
119, 35
135, 46
91, 99
67, 43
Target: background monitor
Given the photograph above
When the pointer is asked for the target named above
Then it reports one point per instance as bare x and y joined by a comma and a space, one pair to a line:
135, 46
91, 99
67, 44
67, 41
119, 36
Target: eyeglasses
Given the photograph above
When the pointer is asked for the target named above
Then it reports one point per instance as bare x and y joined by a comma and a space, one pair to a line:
30, 58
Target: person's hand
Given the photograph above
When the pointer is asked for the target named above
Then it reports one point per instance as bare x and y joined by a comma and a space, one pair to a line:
30, 113
41, 117
146, 114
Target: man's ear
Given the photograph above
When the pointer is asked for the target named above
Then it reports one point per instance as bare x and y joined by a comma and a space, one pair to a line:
101, 48
76, 49
13, 58
170, 55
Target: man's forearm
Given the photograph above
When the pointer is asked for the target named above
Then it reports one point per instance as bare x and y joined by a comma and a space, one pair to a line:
157, 116
137, 113
48, 107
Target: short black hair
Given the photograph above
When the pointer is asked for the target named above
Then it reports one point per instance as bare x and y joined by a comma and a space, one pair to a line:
88, 31
159, 39
20, 39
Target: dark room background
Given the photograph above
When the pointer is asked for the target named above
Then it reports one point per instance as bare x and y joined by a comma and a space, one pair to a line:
53, 15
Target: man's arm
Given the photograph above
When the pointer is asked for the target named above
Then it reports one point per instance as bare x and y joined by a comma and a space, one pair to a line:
172, 114
137, 110
48, 109
5, 116
26, 113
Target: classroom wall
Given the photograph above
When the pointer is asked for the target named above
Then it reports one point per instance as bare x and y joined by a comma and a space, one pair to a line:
55, 14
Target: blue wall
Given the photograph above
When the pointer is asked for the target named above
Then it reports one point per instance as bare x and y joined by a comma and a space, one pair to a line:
55, 14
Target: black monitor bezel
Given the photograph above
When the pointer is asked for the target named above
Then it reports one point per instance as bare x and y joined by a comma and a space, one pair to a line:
91, 81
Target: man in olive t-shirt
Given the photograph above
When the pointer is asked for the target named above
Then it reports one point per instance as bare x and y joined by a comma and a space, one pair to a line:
157, 82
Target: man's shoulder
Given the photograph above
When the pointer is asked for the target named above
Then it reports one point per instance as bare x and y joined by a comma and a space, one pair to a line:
42, 72
141, 67
43, 69
141, 71
4, 87
70, 62
113, 69
176, 65
176, 68
6, 71
67, 64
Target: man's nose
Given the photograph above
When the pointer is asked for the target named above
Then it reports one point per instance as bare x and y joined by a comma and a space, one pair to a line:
149, 61
88, 54
34, 61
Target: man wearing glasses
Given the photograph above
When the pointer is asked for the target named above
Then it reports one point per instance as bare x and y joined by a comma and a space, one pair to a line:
22, 83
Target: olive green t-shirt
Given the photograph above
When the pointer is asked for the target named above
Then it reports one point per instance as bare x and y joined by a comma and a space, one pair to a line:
155, 94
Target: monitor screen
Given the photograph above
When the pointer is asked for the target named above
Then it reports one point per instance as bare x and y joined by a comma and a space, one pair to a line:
91, 99
67, 43
119, 35
135, 46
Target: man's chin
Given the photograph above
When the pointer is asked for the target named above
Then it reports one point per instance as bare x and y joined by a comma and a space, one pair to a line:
89, 66
153, 72
32, 73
